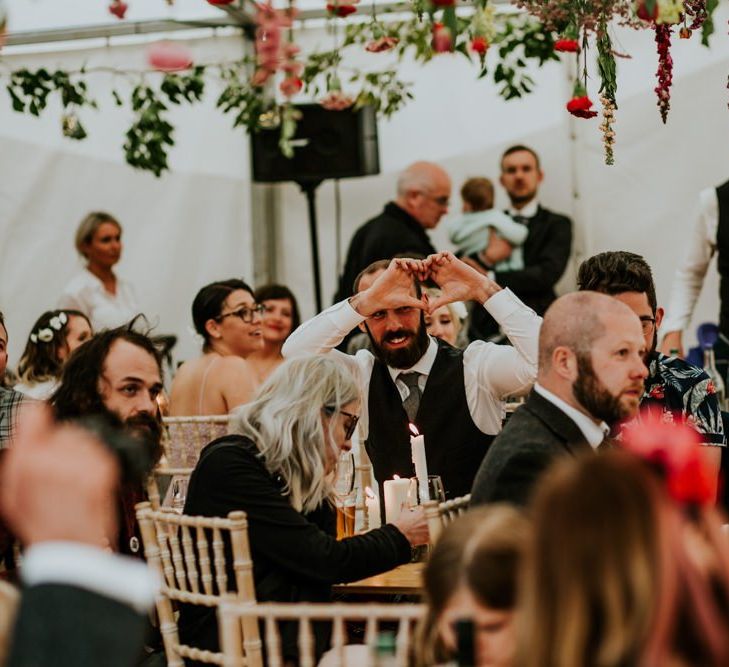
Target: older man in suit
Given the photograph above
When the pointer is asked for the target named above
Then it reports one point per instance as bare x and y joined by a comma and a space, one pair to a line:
590, 376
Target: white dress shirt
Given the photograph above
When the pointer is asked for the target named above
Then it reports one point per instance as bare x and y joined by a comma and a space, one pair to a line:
122, 578
87, 294
692, 268
528, 211
594, 433
491, 372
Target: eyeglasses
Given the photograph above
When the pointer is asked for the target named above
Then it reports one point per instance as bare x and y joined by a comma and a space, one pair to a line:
350, 423
647, 323
246, 314
443, 200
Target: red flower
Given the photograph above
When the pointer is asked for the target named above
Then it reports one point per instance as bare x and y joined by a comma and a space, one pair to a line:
676, 449
169, 57
221, 2
341, 10
382, 44
442, 41
656, 392
643, 13
567, 45
710, 388
443, 3
479, 45
580, 107
118, 8
291, 85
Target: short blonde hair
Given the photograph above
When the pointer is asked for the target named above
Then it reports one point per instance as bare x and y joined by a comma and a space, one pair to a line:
284, 421
88, 226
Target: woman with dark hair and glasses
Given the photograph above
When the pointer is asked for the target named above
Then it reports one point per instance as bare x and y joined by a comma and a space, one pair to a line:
278, 466
280, 318
228, 319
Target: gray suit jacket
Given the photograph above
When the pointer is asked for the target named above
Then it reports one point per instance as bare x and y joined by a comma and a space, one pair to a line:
537, 434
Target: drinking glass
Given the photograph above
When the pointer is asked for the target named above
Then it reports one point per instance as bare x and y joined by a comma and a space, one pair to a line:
435, 491
345, 495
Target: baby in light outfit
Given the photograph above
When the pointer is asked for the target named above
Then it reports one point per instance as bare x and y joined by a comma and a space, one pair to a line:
472, 231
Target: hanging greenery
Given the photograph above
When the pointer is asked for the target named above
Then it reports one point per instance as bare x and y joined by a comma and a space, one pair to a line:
258, 91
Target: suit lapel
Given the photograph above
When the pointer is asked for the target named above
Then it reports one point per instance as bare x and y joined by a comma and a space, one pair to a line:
558, 423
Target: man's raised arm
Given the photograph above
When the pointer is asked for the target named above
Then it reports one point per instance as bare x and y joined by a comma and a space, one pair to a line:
392, 288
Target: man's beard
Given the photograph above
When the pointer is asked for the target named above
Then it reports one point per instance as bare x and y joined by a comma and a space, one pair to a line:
137, 458
521, 200
404, 357
594, 396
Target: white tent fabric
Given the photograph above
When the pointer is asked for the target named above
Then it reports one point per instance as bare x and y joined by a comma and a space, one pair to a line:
194, 224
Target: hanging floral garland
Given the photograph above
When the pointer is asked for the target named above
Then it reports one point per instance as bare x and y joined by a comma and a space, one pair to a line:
258, 90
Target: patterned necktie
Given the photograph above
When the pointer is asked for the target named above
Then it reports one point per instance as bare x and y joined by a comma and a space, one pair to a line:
412, 402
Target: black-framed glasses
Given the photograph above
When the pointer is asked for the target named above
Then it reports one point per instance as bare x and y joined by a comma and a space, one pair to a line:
443, 200
349, 423
647, 323
245, 313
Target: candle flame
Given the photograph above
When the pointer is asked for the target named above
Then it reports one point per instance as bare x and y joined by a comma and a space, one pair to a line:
396, 477
370, 493
413, 429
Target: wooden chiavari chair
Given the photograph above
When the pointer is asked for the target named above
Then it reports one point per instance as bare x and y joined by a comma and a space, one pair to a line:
439, 515
232, 615
178, 548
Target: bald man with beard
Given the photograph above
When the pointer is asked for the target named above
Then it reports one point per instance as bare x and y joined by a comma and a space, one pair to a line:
590, 376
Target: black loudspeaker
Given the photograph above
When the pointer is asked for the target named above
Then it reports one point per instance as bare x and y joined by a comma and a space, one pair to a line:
327, 144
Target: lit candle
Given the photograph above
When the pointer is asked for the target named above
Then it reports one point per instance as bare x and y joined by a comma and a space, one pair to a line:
373, 508
396, 495
417, 448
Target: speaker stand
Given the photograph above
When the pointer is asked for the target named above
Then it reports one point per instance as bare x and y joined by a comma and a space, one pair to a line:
309, 189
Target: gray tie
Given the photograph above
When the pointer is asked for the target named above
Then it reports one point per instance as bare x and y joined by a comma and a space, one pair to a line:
412, 402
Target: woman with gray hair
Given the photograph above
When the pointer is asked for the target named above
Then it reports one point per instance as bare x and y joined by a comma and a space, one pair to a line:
278, 467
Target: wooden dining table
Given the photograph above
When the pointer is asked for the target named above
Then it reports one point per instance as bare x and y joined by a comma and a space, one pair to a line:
403, 580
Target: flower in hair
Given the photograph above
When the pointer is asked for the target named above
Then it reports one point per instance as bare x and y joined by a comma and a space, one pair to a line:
58, 321
45, 335
675, 448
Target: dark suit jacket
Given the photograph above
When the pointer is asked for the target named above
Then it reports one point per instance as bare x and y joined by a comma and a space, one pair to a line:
68, 626
546, 252
537, 434
393, 232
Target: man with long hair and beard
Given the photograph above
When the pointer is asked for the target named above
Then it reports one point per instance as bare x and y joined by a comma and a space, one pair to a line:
591, 375
674, 389
112, 382
453, 397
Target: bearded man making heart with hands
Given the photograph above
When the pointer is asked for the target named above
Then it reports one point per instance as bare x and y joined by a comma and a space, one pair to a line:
454, 397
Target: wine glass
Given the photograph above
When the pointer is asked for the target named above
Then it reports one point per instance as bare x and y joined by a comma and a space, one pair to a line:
435, 491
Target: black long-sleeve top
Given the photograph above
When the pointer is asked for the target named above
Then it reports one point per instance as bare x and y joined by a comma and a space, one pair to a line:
296, 557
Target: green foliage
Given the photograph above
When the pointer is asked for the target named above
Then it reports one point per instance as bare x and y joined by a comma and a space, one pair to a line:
29, 90
707, 29
606, 65
150, 134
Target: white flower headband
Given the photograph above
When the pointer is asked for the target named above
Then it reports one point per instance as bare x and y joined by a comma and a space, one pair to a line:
45, 335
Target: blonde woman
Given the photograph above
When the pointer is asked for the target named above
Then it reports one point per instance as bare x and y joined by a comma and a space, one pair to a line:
620, 575
471, 576
106, 299
278, 467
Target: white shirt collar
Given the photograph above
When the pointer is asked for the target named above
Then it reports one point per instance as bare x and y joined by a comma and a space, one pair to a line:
422, 366
528, 211
594, 433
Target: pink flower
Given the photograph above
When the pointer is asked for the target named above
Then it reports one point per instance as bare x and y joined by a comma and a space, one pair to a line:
336, 100
291, 85
382, 44
292, 68
260, 76
656, 392
169, 57
441, 41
